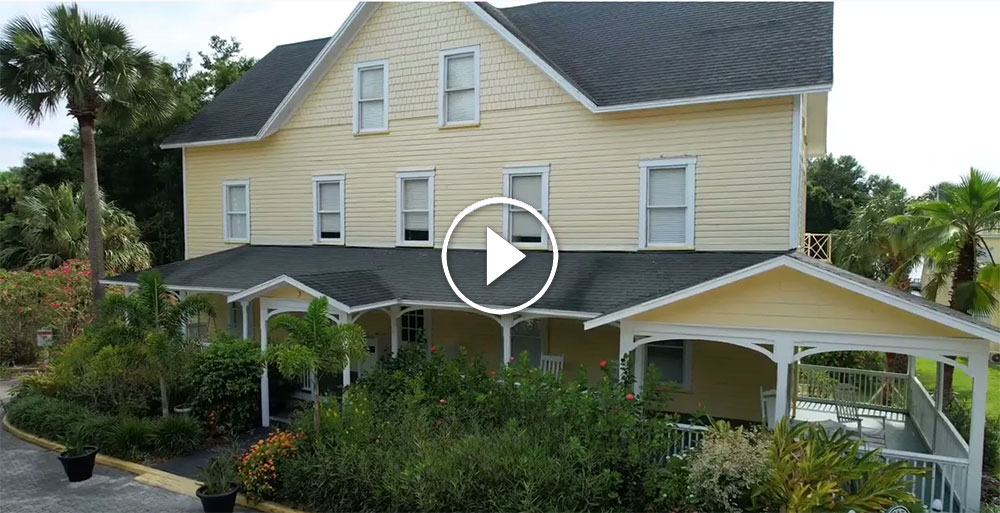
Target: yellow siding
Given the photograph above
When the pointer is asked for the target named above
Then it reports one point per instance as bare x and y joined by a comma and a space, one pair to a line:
478, 334
582, 349
787, 299
725, 382
743, 151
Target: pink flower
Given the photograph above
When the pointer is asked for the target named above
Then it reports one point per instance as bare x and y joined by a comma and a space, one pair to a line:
434, 348
37, 272
511, 358
493, 373
603, 364
55, 304
443, 400
20, 310
630, 397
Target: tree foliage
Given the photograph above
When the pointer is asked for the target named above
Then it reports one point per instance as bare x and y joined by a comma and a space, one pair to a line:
835, 187
49, 226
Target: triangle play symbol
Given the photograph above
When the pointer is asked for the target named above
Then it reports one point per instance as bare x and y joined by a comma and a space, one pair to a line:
500, 256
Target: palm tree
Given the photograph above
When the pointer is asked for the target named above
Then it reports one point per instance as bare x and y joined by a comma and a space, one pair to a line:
314, 344
91, 63
952, 229
157, 317
49, 226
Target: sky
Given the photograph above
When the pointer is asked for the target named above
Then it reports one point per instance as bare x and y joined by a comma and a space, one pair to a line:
915, 93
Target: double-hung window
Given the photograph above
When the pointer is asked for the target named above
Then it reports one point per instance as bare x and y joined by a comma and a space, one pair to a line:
530, 185
459, 95
415, 208
414, 327
666, 217
236, 199
371, 97
672, 359
328, 202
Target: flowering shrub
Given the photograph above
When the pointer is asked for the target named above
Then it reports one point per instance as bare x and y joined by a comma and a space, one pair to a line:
727, 468
57, 298
258, 467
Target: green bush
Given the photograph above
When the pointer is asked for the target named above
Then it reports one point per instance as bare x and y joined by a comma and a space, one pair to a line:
225, 383
421, 433
959, 412
126, 437
727, 468
106, 371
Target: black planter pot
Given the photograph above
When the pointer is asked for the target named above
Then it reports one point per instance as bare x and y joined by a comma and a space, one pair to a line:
80, 467
221, 503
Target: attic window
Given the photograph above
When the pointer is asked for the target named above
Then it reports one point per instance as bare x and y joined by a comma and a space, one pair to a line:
459, 100
371, 97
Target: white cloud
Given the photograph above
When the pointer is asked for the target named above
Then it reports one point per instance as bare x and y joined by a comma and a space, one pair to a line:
914, 93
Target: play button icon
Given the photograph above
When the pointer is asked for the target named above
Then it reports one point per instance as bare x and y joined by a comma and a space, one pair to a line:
500, 256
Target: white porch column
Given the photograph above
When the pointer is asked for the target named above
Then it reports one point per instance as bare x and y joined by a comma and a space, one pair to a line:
345, 318
939, 389
626, 339
245, 305
506, 323
129, 291
639, 368
978, 368
784, 352
265, 394
395, 318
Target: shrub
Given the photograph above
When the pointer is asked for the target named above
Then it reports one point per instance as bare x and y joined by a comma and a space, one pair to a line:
814, 471
225, 383
870, 360
56, 298
178, 434
727, 468
130, 437
46, 417
959, 412
258, 467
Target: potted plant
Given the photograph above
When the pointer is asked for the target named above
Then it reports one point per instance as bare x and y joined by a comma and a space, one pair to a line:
78, 458
219, 483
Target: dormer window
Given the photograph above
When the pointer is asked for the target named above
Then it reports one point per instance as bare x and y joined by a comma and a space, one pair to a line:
371, 97
459, 99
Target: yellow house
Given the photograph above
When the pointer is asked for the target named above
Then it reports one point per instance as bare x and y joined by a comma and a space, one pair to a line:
663, 143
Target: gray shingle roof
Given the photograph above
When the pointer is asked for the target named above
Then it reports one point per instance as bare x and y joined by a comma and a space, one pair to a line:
629, 52
614, 53
245, 106
586, 281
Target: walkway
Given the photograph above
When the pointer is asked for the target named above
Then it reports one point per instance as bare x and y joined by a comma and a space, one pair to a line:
32, 481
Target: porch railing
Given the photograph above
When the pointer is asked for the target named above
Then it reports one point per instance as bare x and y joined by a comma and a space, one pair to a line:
944, 480
937, 431
818, 246
879, 390
690, 437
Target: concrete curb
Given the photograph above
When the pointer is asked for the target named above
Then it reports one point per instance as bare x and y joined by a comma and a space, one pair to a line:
148, 475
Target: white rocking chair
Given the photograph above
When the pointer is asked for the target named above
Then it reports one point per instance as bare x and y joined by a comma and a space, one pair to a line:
848, 414
552, 363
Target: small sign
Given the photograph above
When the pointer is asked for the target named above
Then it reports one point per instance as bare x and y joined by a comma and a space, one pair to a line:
44, 337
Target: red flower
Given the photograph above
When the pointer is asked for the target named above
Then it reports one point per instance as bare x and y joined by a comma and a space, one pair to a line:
603, 364
493, 373
37, 272
630, 397
20, 310
511, 358
55, 304
434, 348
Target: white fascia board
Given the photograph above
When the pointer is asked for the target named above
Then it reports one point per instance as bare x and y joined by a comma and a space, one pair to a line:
818, 272
716, 98
284, 279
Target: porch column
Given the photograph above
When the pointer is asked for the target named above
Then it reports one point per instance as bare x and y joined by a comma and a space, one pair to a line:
626, 339
395, 318
265, 394
506, 323
978, 368
245, 305
784, 352
639, 368
345, 318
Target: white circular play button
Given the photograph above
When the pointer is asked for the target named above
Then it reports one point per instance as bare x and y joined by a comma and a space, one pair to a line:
501, 256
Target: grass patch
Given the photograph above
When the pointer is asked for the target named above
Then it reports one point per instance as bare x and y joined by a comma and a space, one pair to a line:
927, 372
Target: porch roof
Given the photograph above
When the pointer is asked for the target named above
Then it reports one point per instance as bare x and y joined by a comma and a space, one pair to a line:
587, 282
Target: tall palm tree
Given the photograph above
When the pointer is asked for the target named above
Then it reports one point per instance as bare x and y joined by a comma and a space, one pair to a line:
953, 228
157, 317
314, 344
89, 63
49, 226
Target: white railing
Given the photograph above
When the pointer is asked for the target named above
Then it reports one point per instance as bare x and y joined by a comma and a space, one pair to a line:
875, 389
690, 436
818, 246
944, 479
937, 431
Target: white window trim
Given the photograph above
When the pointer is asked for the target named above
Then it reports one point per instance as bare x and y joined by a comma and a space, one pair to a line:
511, 171
245, 182
400, 229
358, 68
316, 181
687, 362
688, 163
443, 81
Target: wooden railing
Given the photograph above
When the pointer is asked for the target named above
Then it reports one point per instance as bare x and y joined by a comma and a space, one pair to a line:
876, 389
818, 246
944, 479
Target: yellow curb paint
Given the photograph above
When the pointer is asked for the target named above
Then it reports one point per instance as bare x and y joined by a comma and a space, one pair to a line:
148, 475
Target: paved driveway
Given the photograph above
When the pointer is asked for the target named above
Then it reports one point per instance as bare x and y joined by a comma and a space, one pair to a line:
32, 481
